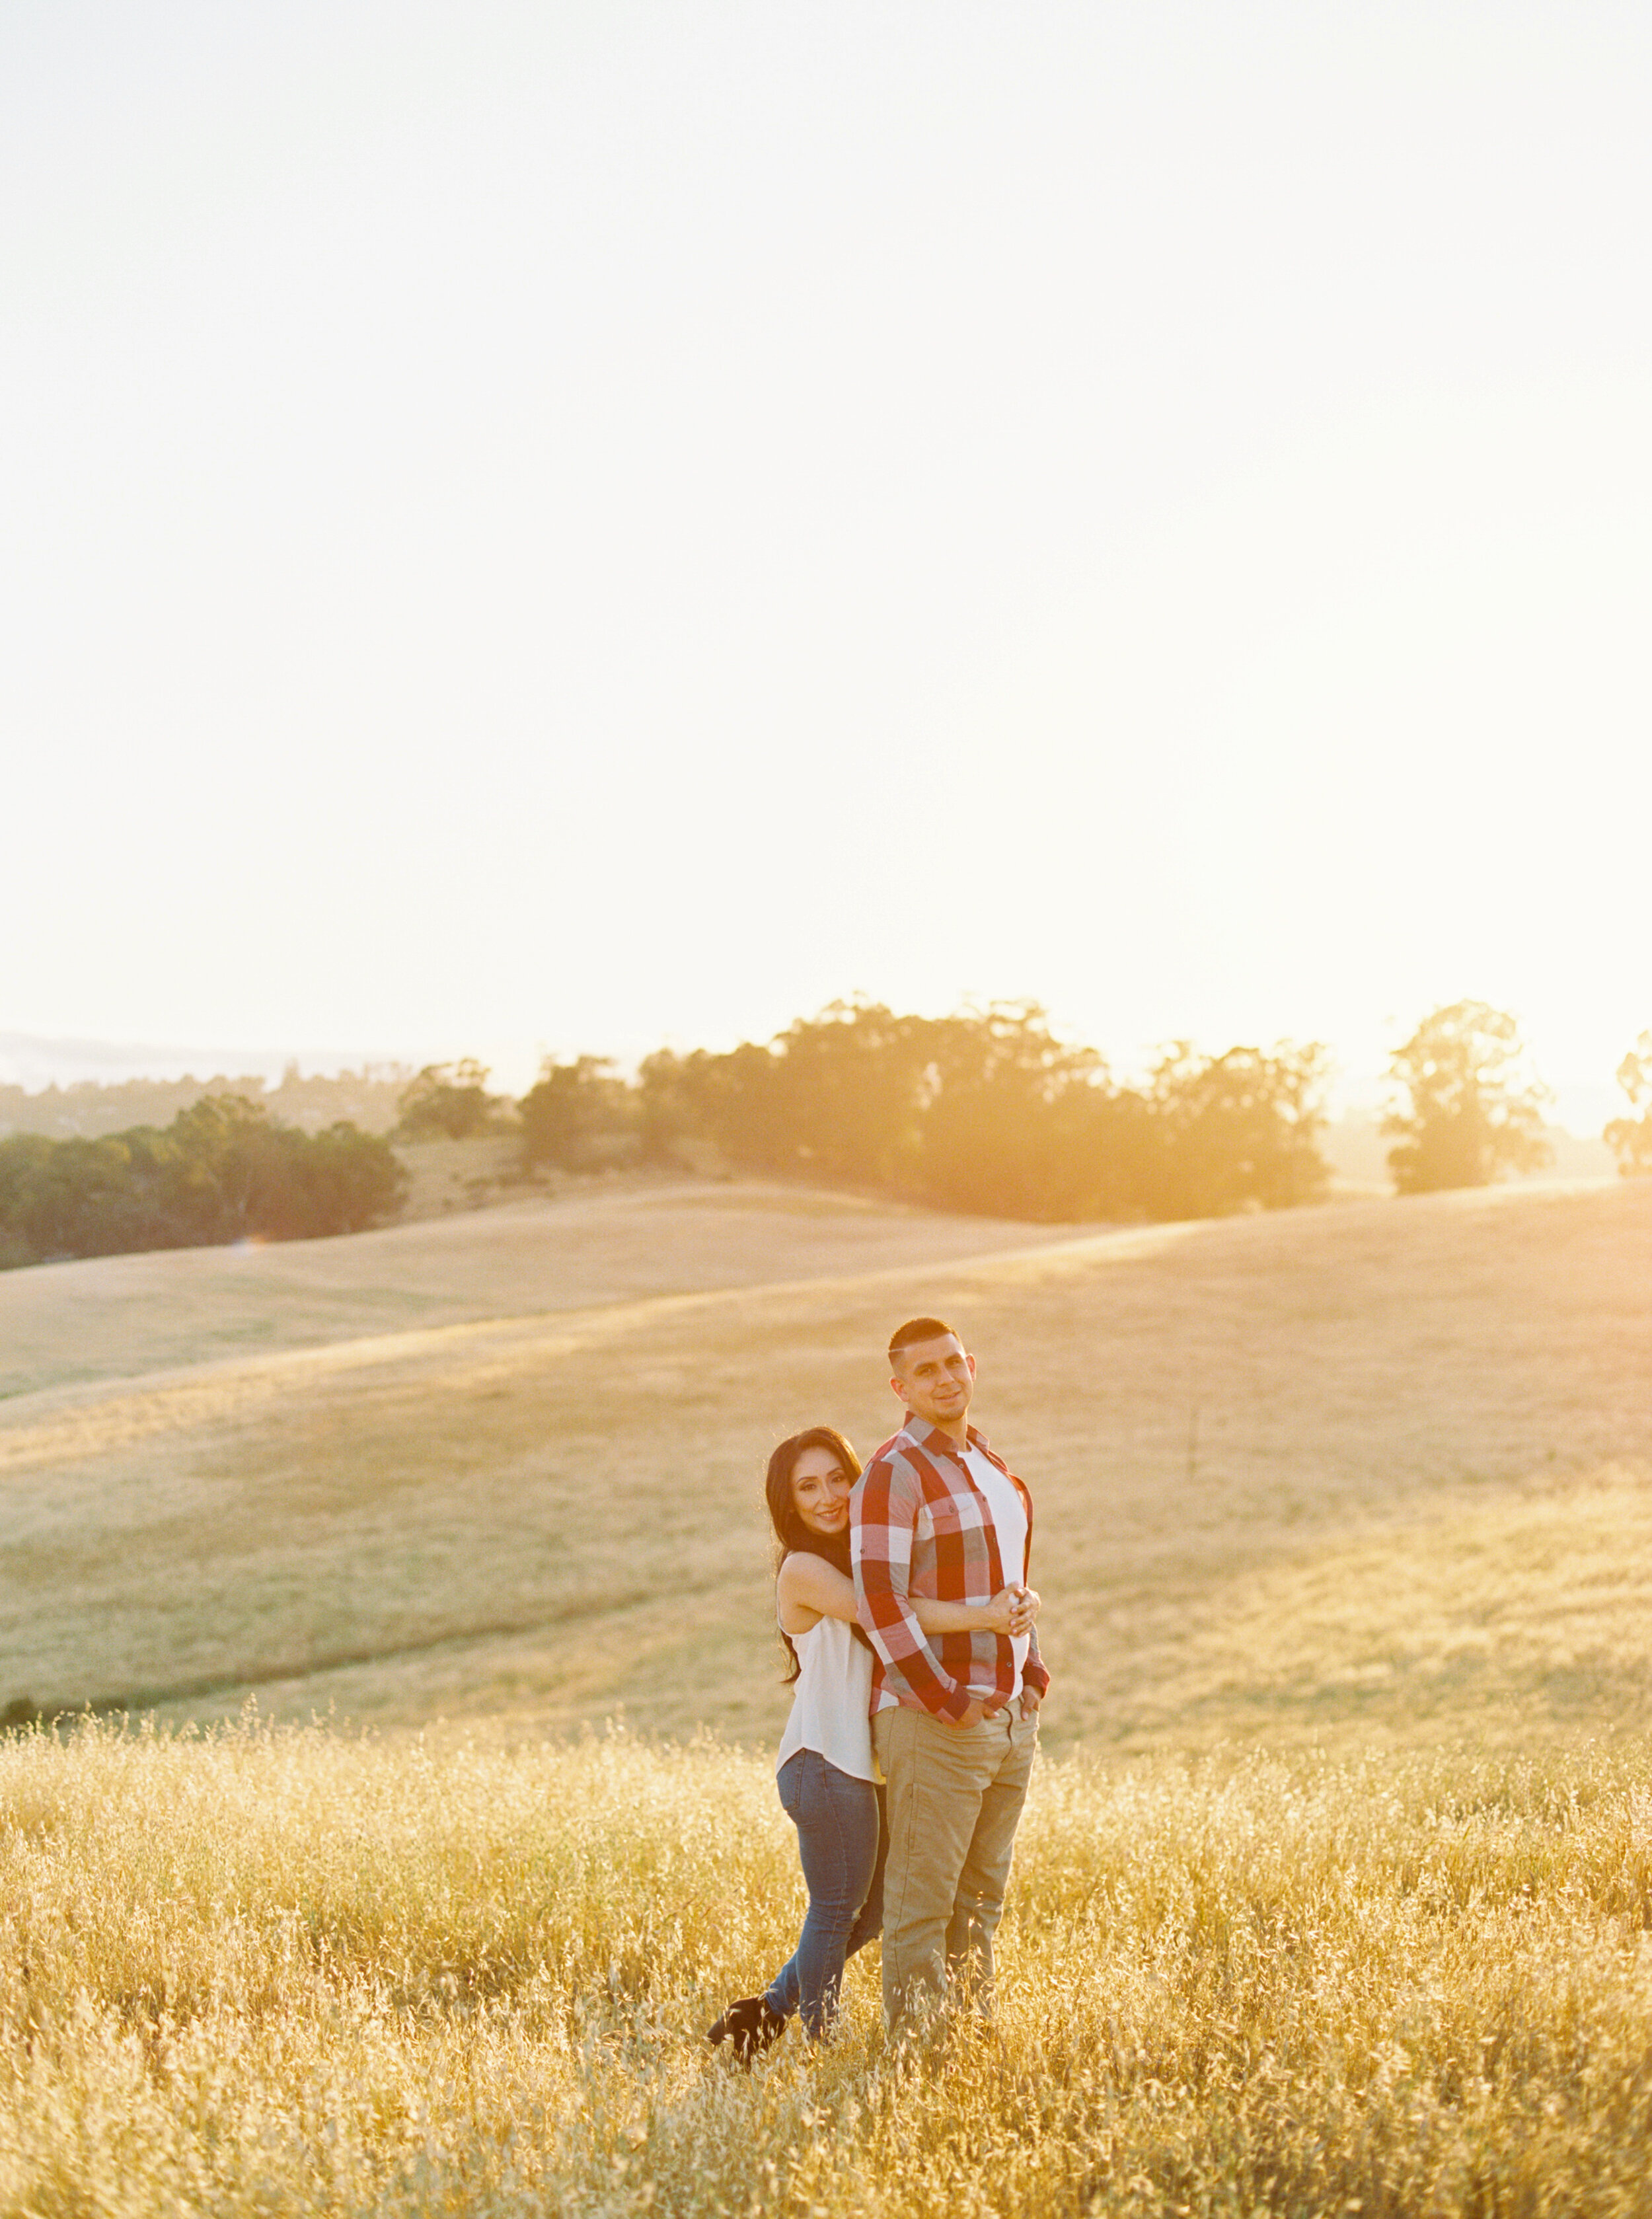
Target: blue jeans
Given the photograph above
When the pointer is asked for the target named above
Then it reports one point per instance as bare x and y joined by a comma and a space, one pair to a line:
841, 1841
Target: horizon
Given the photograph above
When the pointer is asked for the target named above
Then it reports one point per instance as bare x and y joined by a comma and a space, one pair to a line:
37, 1064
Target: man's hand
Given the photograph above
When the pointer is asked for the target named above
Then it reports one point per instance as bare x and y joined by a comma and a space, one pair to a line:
977, 1711
1031, 1702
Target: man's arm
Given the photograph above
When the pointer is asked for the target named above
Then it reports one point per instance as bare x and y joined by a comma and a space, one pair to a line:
885, 1505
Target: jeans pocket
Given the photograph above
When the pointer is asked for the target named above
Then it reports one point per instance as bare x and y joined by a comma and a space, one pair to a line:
788, 1784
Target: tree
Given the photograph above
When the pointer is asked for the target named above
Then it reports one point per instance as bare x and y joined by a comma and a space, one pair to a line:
1473, 1107
221, 1171
837, 1095
998, 1100
1237, 1130
576, 1112
1631, 1137
668, 1109
989, 1110
447, 1102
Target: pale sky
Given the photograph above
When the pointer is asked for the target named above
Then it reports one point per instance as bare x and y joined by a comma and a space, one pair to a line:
574, 526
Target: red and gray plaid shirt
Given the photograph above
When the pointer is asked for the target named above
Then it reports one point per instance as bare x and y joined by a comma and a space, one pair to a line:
920, 1526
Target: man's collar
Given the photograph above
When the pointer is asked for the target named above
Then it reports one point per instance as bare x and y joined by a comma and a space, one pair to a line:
925, 1436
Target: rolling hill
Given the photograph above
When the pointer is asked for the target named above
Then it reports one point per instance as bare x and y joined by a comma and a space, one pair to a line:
1381, 1467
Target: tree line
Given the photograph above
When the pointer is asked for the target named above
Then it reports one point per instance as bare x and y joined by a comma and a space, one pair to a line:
986, 1112
989, 1110
223, 1170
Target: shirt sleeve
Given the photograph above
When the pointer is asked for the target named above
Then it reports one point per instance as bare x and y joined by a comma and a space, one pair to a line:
1033, 1672
888, 1499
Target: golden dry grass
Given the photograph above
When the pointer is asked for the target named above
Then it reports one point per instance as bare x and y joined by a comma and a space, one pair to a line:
1526, 1615
292, 1974
124, 1316
1365, 1491
543, 1514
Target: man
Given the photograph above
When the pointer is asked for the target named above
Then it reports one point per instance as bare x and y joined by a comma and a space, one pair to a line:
954, 1721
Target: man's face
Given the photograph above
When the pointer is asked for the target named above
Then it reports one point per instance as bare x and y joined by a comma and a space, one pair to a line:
935, 1379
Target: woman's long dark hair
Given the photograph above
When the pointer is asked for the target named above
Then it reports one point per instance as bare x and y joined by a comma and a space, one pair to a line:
791, 1536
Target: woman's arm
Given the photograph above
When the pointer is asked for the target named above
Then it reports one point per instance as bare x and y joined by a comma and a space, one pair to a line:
1011, 1611
809, 1589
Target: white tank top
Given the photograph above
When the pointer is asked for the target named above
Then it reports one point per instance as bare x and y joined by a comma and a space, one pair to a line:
831, 1699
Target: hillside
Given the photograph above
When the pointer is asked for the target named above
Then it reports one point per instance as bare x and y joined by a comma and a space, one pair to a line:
1331, 1469
127, 1316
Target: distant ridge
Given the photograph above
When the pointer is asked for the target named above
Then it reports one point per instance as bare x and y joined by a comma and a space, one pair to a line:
35, 1061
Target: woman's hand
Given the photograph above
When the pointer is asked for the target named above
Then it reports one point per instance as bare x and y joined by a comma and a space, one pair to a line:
1010, 1611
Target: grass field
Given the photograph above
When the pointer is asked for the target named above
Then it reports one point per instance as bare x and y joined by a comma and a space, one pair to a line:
1336, 1884
507, 1465
293, 1974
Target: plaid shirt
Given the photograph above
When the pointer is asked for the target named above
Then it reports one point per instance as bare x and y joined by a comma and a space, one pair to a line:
919, 1524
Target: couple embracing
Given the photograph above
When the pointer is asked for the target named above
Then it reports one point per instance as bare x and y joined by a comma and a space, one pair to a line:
903, 1599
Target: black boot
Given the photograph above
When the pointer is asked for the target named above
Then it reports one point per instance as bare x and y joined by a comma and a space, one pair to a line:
751, 2024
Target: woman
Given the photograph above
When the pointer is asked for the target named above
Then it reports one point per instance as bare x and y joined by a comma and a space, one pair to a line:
824, 1772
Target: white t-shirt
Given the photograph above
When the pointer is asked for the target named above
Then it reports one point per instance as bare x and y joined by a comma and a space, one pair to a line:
1009, 1523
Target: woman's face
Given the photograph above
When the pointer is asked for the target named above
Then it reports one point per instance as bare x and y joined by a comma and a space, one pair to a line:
820, 1491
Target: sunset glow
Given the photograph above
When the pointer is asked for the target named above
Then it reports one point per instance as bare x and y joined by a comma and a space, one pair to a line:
586, 527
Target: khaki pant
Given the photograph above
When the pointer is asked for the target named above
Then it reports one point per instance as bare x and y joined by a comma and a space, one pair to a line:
954, 1796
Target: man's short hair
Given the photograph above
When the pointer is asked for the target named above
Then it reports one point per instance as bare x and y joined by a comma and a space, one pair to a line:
914, 1330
